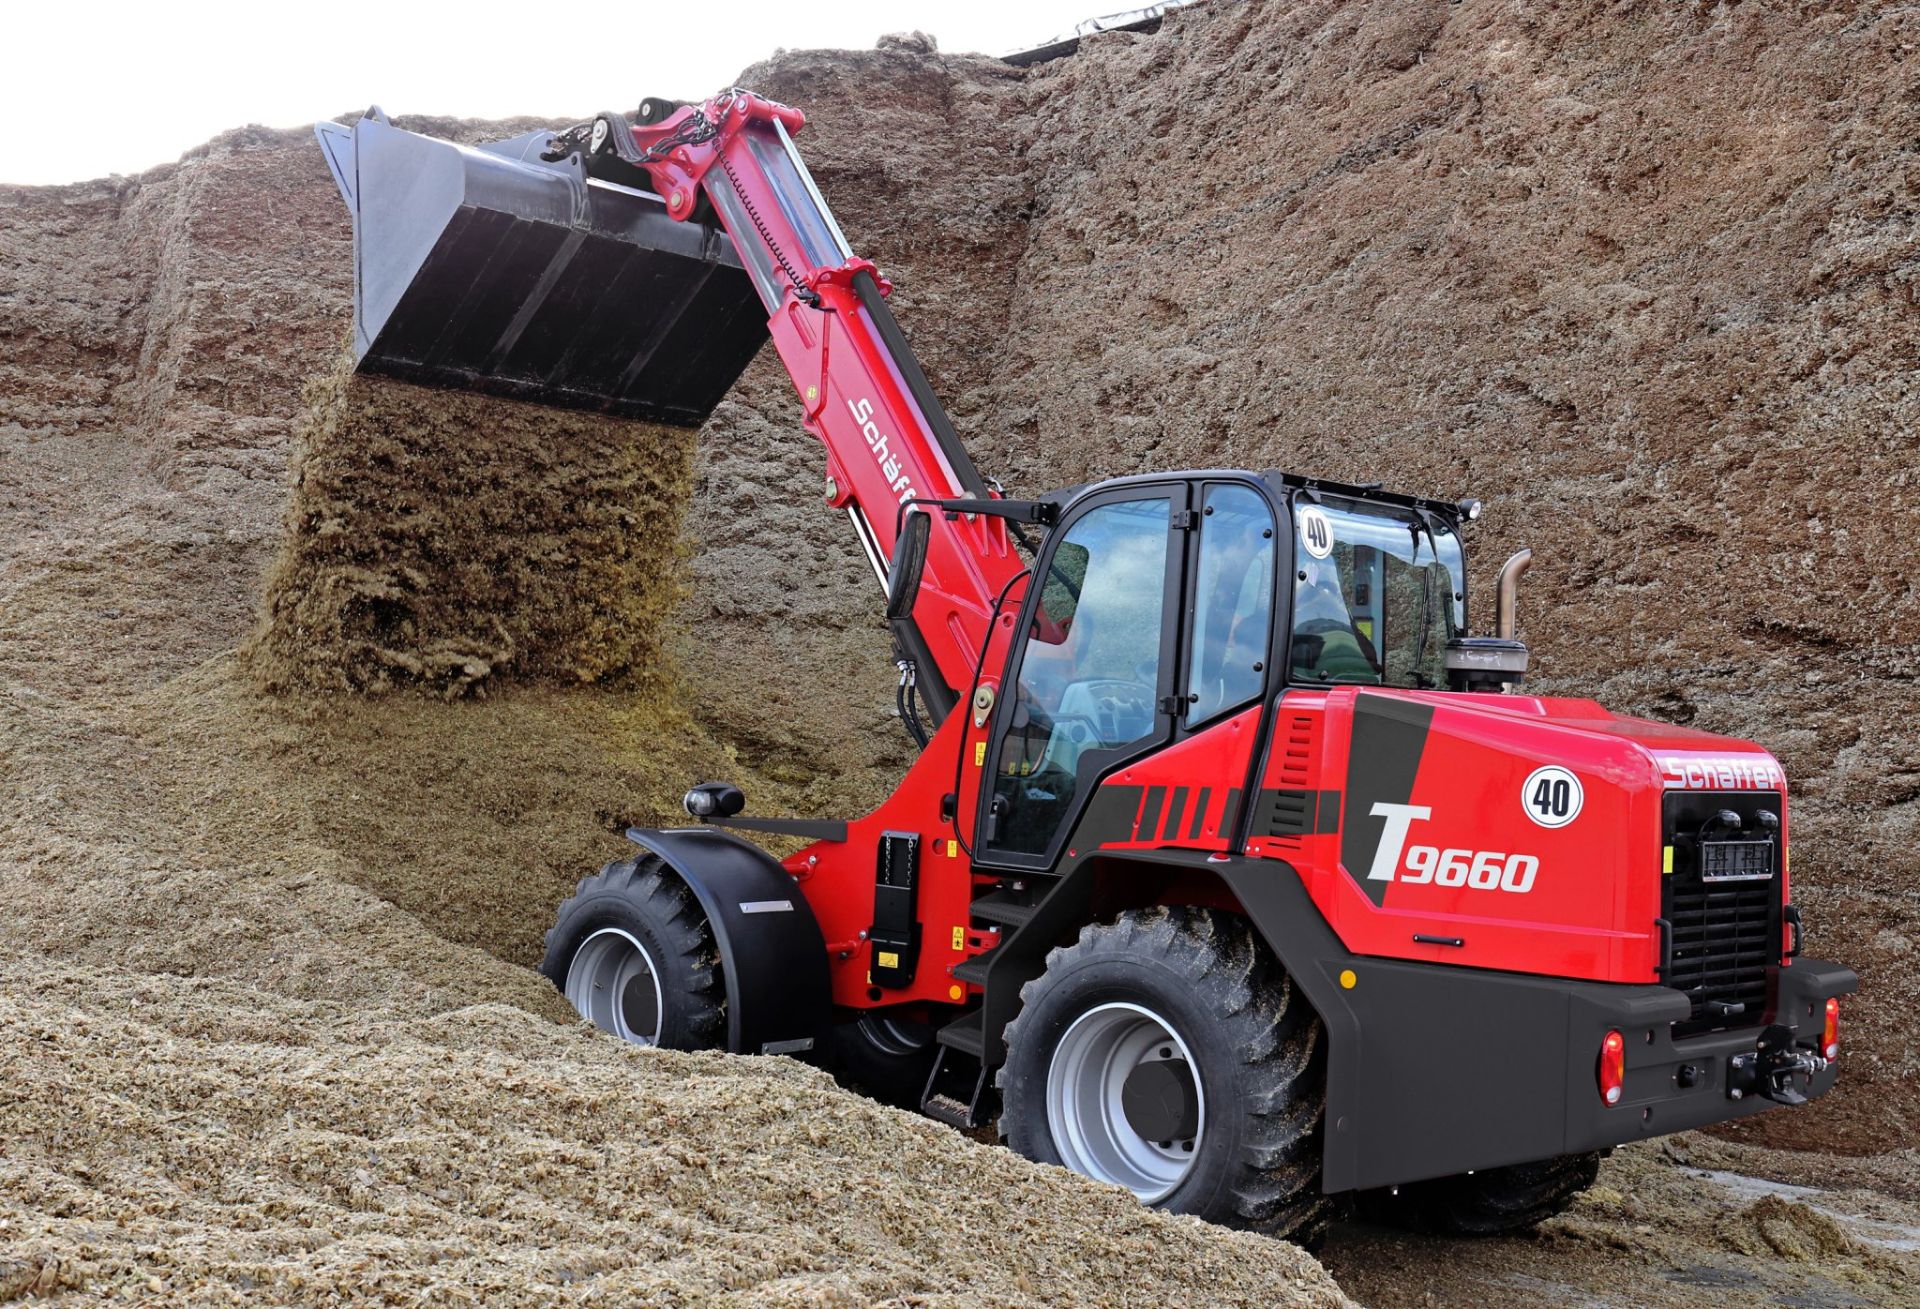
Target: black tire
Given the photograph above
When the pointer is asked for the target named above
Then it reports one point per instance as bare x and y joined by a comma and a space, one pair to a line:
1491, 1202
1257, 1054
642, 902
884, 1058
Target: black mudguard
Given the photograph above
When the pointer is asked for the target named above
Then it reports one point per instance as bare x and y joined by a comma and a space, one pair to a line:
771, 952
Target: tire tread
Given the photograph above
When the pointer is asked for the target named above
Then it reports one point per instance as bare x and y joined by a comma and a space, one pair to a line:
1275, 1182
692, 964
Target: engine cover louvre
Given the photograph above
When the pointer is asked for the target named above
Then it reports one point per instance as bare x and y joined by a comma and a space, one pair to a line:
1722, 900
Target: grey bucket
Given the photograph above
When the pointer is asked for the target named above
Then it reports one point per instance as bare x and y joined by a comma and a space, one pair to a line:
485, 268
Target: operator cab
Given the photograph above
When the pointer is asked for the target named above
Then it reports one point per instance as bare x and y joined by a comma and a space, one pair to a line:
1167, 604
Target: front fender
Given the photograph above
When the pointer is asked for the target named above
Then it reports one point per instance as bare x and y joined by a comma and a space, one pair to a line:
772, 956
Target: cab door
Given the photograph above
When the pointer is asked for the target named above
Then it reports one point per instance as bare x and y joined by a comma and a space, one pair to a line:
1092, 678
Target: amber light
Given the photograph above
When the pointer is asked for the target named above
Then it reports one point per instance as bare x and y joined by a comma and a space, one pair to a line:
1613, 1067
1830, 1034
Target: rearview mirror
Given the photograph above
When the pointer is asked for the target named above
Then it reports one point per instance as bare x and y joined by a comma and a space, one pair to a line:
909, 558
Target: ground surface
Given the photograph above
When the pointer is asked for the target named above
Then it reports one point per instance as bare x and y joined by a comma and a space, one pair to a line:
1643, 281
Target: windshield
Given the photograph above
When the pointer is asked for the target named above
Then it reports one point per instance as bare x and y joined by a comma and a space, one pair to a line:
1379, 592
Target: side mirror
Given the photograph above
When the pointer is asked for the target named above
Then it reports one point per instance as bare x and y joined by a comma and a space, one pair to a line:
909, 559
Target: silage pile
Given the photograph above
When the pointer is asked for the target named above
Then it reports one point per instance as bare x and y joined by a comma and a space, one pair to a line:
251, 1047
197, 1142
449, 542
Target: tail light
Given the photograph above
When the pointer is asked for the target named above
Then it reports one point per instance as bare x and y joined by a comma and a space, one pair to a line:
1830, 1033
1613, 1067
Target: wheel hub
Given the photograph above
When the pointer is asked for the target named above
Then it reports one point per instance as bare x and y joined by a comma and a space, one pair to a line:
1160, 1100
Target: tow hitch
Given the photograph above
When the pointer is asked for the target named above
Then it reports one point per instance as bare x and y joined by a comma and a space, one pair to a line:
1770, 1069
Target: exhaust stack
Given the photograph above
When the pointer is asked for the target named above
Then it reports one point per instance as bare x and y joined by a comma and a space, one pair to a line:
1507, 592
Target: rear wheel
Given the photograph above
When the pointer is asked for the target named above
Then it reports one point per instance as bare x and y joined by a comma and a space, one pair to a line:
887, 1057
1170, 1054
1491, 1202
634, 955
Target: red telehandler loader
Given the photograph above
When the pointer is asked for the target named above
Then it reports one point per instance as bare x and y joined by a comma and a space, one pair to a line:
1231, 869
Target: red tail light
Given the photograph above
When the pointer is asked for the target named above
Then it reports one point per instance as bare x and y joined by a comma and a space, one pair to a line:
1613, 1067
1830, 1034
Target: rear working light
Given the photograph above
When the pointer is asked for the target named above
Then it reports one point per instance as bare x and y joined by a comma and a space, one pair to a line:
1830, 1033
1613, 1067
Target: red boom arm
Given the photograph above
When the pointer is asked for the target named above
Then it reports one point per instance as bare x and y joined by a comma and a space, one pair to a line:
863, 393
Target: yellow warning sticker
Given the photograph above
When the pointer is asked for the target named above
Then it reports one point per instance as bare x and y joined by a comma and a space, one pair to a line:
953, 849
888, 959
1666, 861
959, 938
979, 754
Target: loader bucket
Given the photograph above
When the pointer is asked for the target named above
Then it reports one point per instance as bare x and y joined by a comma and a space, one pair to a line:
484, 268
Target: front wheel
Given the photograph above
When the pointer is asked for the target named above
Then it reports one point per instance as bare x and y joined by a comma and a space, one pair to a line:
1169, 1053
634, 955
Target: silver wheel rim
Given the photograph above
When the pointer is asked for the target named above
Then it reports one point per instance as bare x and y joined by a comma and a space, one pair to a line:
1085, 1080
614, 984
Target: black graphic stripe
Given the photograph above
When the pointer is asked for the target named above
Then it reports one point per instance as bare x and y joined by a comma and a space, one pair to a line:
1150, 814
1174, 812
1200, 814
1389, 736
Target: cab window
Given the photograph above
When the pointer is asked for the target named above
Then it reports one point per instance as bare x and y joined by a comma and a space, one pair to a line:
1088, 673
1377, 596
1232, 603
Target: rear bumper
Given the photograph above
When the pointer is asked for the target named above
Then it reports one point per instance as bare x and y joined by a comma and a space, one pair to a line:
1672, 1086
1436, 1070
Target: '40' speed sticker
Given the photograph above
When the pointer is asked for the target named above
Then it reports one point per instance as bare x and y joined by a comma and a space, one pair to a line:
1316, 533
1551, 796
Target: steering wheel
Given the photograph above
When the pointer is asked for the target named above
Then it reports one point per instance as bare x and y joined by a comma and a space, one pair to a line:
1113, 694
1113, 710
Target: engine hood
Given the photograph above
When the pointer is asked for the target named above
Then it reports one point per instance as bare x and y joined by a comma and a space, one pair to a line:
1521, 833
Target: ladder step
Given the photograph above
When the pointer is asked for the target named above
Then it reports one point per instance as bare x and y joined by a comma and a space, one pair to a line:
957, 1092
964, 1034
975, 969
946, 1109
1002, 907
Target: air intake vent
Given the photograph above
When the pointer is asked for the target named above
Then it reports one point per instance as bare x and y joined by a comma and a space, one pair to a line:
1298, 740
1287, 814
1290, 815
1722, 902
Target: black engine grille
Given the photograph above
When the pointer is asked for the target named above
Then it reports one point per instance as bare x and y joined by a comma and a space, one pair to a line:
1725, 934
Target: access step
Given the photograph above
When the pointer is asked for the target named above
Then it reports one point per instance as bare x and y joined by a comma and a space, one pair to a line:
1008, 908
967, 1034
974, 969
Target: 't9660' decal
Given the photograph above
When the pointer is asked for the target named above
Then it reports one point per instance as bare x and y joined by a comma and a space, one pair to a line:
1479, 870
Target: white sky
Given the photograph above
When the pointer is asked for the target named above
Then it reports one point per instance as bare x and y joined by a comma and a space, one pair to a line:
93, 87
